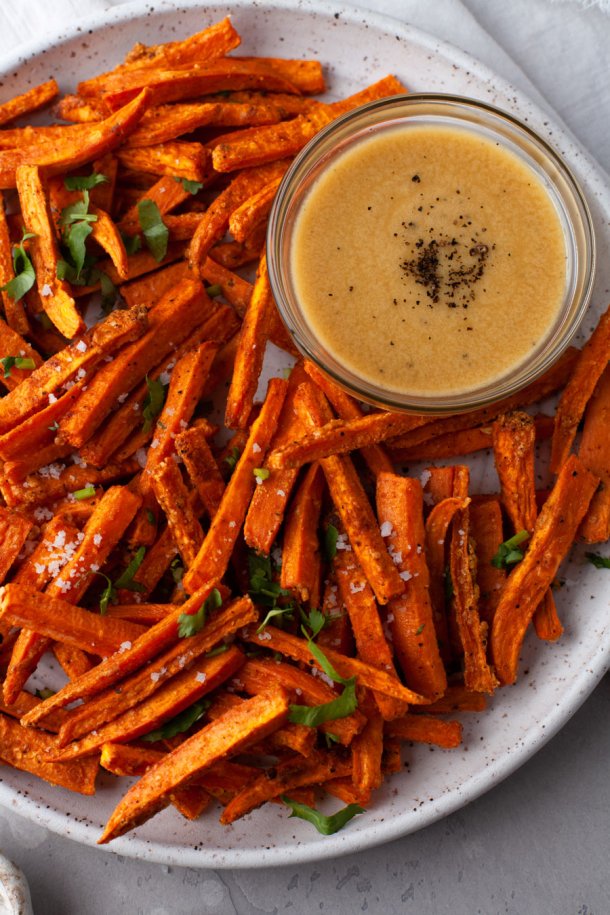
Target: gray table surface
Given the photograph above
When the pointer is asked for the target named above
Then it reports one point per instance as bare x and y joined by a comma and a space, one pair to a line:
536, 845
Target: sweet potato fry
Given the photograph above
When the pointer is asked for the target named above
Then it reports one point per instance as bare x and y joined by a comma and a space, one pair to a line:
175, 500
40, 488
369, 676
35, 98
100, 138
292, 774
74, 661
294, 737
594, 452
14, 311
37, 432
161, 704
232, 732
218, 214
49, 555
55, 295
30, 751
57, 619
166, 193
215, 552
253, 211
553, 534
39, 388
352, 504
486, 529
456, 699
300, 553
14, 530
144, 649
177, 159
410, 615
367, 751
108, 237
426, 729
202, 468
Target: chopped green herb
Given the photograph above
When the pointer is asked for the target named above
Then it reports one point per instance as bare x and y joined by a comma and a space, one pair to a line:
180, 723
193, 187
214, 290
232, 458
508, 554
150, 516
220, 649
16, 362
340, 707
54, 426
76, 223
191, 623
177, 570
420, 629
25, 276
87, 493
283, 612
132, 243
261, 473
85, 182
326, 825
153, 402
600, 562
77, 212
108, 595
331, 535
155, 231
125, 580
108, 290
45, 693
330, 739
316, 621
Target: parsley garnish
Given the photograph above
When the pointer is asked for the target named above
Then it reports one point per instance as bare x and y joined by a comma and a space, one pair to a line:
331, 535
54, 426
85, 182
107, 596
85, 493
25, 277
232, 458
150, 517
177, 570
45, 693
193, 187
420, 629
191, 623
261, 473
600, 562
214, 290
125, 580
155, 231
180, 723
153, 402
340, 707
508, 554
220, 649
76, 222
16, 362
326, 825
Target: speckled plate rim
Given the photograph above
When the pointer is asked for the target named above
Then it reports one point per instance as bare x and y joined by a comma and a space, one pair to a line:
580, 685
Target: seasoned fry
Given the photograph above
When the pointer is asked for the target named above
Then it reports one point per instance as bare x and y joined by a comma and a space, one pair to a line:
426, 729
14, 530
300, 556
594, 452
486, 528
34, 98
175, 500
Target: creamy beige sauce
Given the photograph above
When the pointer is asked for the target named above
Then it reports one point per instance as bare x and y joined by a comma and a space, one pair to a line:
429, 260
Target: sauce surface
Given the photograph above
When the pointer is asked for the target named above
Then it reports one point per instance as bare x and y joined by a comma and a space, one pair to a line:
429, 260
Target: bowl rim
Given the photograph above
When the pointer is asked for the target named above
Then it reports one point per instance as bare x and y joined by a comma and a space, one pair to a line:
582, 260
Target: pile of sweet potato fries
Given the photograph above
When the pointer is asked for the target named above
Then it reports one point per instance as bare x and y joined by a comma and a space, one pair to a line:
270, 618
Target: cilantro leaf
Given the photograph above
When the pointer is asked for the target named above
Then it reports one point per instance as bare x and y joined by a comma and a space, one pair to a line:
177, 570
331, 535
108, 291
85, 182
17, 362
600, 562
193, 187
340, 707
180, 723
132, 243
325, 664
77, 212
214, 290
153, 402
155, 231
45, 693
191, 623
108, 595
232, 458
316, 622
25, 276
220, 649
283, 612
508, 554
75, 238
125, 580
85, 493
326, 825
261, 474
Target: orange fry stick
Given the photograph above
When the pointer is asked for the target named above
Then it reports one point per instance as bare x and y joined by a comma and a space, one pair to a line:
456, 699
213, 557
13, 344
172, 698
16, 317
201, 466
57, 619
167, 193
38, 389
55, 158
175, 500
367, 752
410, 616
301, 547
177, 159
553, 535
146, 647
55, 295
577, 393
107, 235
253, 211
249, 722
39, 490
146, 614
594, 452
74, 661
352, 504
30, 752
49, 556
486, 528
289, 775
295, 737
372, 677
35, 98
426, 729
38, 431
14, 530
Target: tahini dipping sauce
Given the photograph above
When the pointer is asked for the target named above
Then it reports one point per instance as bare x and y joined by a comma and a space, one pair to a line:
429, 260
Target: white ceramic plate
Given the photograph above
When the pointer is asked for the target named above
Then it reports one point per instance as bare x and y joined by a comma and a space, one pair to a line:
357, 48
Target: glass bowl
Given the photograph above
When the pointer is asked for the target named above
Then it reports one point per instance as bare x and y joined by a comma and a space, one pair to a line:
481, 120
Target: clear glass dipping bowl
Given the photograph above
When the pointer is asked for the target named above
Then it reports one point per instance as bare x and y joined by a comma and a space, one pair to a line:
482, 119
